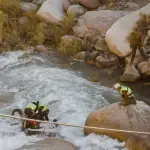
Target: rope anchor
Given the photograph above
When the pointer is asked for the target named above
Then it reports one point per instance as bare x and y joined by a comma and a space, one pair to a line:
77, 126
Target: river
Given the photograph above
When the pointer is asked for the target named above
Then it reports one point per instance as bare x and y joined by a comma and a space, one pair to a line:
69, 95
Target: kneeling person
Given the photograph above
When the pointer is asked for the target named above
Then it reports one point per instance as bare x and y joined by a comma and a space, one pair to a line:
126, 93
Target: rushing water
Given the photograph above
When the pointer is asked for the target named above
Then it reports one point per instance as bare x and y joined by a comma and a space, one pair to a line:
69, 96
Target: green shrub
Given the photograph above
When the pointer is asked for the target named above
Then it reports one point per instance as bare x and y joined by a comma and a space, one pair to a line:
70, 47
137, 36
11, 7
55, 32
34, 31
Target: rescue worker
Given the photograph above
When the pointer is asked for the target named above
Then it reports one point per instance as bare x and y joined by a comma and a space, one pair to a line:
38, 110
126, 93
35, 111
43, 112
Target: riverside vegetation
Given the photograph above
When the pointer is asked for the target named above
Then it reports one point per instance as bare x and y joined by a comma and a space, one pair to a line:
35, 31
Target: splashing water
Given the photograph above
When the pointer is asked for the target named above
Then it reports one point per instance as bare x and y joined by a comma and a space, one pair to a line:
69, 96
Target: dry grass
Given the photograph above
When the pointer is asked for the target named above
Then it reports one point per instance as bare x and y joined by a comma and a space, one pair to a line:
108, 2
138, 34
11, 7
34, 32
55, 32
70, 47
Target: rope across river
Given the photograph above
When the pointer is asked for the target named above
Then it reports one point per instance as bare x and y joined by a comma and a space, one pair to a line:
77, 126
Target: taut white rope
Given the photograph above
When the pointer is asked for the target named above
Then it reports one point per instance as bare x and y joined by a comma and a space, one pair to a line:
77, 126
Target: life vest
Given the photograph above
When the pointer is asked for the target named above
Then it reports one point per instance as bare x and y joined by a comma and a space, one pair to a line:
128, 90
31, 106
44, 107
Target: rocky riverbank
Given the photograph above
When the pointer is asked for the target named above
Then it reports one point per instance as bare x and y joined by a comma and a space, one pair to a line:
92, 31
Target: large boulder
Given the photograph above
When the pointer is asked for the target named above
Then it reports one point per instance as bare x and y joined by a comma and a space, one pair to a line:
115, 116
76, 10
92, 4
52, 11
117, 34
131, 74
28, 7
96, 23
144, 68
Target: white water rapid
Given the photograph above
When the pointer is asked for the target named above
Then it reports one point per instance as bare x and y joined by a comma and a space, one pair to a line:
69, 96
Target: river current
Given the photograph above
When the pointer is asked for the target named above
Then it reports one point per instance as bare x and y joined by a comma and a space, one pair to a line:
68, 94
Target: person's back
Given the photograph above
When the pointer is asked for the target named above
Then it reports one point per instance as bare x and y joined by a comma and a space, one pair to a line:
126, 93
43, 111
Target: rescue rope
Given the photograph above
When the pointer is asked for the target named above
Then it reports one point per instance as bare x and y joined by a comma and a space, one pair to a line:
77, 126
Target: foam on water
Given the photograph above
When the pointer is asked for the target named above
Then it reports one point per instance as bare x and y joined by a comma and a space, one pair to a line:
69, 96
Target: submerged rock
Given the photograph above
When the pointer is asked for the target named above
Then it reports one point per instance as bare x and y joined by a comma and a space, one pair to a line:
7, 97
50, 144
